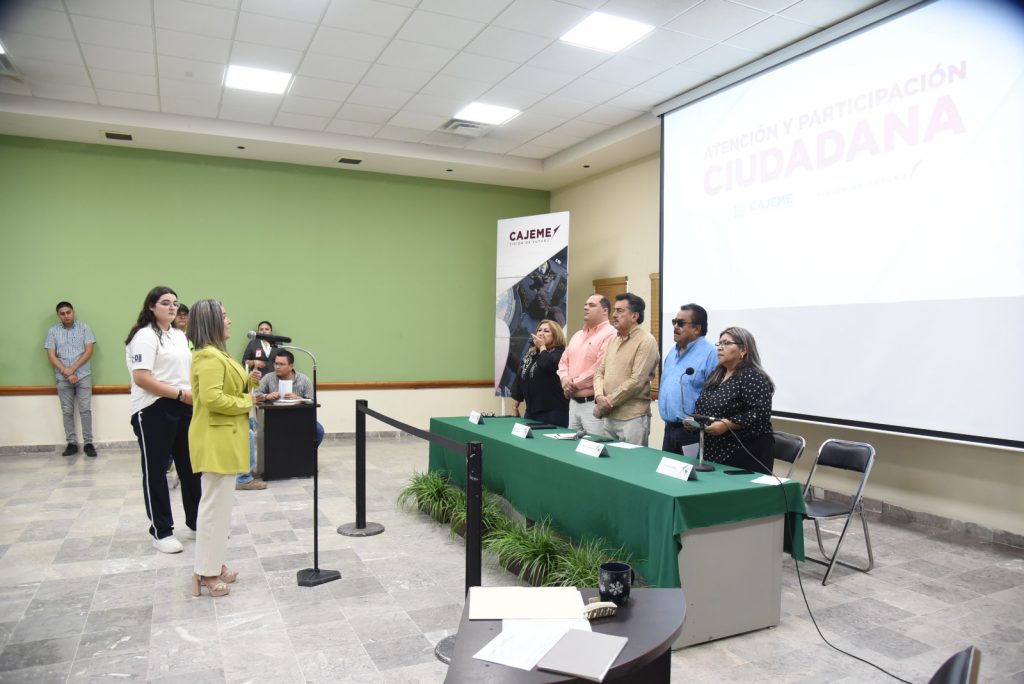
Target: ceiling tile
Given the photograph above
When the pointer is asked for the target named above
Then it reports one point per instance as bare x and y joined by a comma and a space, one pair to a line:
309, 106
507, 96
123, 82
401, 134
770, 35
431, 104
322, 89
491, 144
64, 91
531, 124
303, 121
35, 21
717, 19
188, 107
190, 90
44, 71
668, 47
225, 4
190, 69
12, 87
309, 11
115, 34
130, 11
592, 90
533, 151
558, 140
363, 114
446, 139
353, 128
611, 116
503, 43
570, 59
562, 107
457, 88
653, 12
402, 53
534, 79
333, 68
341, 43
439, 30
677, 80
720, 59
111, 98
638, 98
426, 122
195, 18
25, 46
371, 96
191, 46
626, 70
581, 129
378, 18
100, 57
384, 76
822, 13
250, 107
479, 68
558, 17
273, 31
479, 10
265, 57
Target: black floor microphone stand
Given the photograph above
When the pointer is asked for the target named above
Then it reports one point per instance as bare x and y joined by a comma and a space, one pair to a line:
701, 466
314, 576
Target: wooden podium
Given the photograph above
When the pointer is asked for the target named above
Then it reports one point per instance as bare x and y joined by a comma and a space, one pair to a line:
285, 444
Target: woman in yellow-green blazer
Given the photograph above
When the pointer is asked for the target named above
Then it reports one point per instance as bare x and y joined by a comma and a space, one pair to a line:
218, 440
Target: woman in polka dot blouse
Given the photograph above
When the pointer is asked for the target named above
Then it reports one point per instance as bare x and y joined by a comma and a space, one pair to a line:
738, 394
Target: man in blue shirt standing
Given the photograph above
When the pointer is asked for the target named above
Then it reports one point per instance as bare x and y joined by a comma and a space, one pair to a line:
687, 366
69, 347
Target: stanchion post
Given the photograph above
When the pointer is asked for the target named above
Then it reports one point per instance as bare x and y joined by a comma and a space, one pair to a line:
474, 513
360, 528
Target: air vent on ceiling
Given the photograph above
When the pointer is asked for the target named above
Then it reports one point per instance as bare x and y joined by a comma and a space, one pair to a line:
7, 69
470, 129
110, 135
349, 160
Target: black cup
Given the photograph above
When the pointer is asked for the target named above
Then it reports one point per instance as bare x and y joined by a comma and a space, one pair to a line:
614, 581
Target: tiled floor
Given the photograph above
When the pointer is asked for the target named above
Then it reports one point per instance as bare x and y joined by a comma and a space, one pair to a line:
84, 597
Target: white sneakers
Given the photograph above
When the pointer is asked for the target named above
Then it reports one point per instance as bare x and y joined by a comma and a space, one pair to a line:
168, 545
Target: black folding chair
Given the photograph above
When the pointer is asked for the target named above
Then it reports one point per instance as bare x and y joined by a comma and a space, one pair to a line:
854, 456
961, 668
788, 448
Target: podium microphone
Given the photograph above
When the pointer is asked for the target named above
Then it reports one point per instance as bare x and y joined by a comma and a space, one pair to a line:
273, 339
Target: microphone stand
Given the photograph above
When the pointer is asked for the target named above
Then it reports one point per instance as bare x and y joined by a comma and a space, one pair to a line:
701, 466
314, 576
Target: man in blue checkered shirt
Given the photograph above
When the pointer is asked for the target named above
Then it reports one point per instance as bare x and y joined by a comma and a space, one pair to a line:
69, 346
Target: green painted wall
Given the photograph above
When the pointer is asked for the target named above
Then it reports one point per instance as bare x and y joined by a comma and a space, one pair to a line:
383, 277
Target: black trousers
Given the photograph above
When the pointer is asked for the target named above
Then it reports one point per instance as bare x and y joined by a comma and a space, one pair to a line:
162, 431
676, 437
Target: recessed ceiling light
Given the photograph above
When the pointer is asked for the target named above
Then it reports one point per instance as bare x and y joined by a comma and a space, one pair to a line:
260, 80
2, 51
606, 32
487, 114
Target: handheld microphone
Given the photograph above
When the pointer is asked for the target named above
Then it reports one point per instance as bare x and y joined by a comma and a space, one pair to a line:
706, 420
275, 339
580, 434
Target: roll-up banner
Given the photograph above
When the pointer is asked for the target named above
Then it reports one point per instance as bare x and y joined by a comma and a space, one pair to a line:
532, 285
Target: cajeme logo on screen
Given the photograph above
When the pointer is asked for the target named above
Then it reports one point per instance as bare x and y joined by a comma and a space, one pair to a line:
532, 236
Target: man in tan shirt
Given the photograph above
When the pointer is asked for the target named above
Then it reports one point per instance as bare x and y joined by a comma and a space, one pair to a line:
622, 383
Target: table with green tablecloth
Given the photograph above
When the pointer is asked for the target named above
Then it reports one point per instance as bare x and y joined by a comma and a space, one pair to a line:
622, 499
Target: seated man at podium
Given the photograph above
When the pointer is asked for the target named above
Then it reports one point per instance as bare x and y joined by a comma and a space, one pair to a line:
287, 384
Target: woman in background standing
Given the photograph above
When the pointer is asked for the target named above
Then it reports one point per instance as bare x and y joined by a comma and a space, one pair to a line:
259, 354
537, 381
220, 440
159, 360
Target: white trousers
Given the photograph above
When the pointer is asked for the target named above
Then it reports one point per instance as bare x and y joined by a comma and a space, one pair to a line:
214, 523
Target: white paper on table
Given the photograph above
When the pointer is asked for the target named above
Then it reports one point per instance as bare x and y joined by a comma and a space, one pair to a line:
561, 435
284, 387
769, 479
522, 643
624, 445
502, 603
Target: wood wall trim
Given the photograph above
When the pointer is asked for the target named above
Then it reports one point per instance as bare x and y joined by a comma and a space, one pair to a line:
41, 390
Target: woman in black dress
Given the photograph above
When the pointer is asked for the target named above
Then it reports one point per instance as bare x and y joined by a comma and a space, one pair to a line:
738, 394
537, 381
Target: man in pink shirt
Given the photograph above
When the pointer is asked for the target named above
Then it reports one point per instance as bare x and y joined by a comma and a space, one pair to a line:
581, 358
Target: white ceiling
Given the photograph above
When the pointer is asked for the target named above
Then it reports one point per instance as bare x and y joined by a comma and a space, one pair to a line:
375, 79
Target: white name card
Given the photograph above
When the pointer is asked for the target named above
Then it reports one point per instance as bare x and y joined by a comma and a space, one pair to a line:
521, 430
674, 468
476, 418
595, 449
